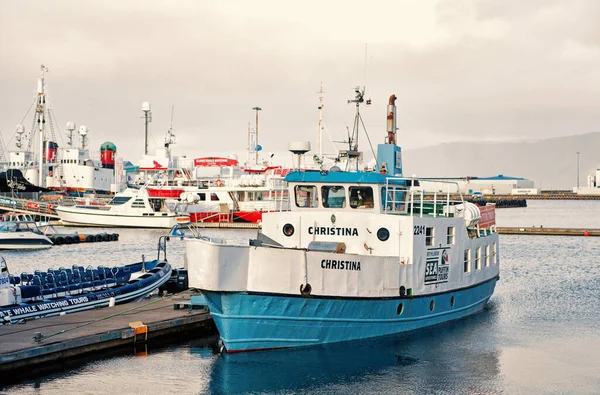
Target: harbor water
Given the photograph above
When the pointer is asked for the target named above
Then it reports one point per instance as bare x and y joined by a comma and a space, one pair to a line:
538, 335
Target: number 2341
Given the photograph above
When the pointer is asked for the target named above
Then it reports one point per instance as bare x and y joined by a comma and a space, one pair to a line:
419, 230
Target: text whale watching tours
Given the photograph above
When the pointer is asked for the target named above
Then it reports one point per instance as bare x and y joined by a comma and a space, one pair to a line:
360, 254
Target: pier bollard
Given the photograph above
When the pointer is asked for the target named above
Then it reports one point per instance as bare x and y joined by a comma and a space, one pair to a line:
586, 233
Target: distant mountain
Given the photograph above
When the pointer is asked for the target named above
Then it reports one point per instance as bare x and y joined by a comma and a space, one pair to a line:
551, 163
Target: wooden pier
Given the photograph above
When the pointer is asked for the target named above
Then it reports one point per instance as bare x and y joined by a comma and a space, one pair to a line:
541, 231
47, 344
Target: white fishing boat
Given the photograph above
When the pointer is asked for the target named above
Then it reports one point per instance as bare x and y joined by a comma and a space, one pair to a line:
360, 255
69, 168
22, 235
130, 208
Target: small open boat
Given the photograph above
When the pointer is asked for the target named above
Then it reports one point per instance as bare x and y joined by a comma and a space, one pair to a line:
45, 293
22, 235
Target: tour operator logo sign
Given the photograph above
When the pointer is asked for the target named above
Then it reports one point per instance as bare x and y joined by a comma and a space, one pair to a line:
437, 266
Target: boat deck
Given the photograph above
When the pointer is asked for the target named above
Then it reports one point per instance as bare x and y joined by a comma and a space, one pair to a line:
78, 335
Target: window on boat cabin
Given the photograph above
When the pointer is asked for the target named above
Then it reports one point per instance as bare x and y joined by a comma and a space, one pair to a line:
450, 235
494, 254
306, 196
333, 196
120, 200
214, 197
429, 233
394, 199
467, 261
202, 196
361, 197
478, 258
487, 255
138, 203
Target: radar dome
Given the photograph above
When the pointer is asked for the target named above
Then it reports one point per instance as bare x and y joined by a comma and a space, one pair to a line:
83, 130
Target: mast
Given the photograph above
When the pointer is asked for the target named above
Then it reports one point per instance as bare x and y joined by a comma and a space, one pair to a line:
147, 120
257, 109
320, 131
41, 120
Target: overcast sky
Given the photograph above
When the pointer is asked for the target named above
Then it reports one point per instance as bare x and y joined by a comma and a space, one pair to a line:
462, 69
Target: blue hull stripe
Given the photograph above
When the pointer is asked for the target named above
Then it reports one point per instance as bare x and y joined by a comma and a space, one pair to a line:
253, 322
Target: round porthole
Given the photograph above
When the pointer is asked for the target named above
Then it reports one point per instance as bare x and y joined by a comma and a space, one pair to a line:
288, 229
383, 234
431, 305
402, 290
452, 301
400, 308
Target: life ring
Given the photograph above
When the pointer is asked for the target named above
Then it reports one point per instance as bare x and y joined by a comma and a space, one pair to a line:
219, 183
33, 205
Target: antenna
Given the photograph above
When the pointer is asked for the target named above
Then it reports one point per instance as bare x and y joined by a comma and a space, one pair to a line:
320, 131
172, 111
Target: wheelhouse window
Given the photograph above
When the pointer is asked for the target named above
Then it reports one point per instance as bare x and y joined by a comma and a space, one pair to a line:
333, 196
494, 254
450, 235
306, 196
394, 199
361, 197
429, 236
202, 196
478, 258
120, 200
467, 261
138, 203
487, 255
214, 197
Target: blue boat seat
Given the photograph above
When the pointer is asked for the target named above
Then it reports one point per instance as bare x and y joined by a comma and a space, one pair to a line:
75, 288
77, 276
36, 281
30, 291
87, 285
61, 289
14, 280
48, 292
110, 282
99, 283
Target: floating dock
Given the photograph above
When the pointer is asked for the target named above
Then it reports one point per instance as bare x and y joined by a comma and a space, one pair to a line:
39, 346
548, 231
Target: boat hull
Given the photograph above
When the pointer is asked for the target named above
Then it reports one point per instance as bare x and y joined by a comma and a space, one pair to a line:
237, 216
88, 217
134, 290
249, 322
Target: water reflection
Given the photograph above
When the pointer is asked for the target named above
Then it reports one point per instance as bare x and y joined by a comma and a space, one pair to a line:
425, 361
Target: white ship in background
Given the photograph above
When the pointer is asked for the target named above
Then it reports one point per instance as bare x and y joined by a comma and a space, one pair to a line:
68, 169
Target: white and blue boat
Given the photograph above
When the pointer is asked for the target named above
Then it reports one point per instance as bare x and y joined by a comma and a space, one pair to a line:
67, 290
360, 255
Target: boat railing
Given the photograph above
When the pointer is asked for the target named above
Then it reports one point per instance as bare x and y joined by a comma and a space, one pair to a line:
407, 196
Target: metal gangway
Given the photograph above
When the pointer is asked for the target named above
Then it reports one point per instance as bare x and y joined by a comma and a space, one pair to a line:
28, 206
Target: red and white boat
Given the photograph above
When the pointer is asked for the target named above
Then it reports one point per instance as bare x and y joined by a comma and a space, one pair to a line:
214, 189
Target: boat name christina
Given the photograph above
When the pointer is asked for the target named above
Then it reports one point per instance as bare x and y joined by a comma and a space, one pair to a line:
44, 306
340, 265
332, 231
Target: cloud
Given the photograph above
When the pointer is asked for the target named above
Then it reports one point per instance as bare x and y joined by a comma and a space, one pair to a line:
462, 70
